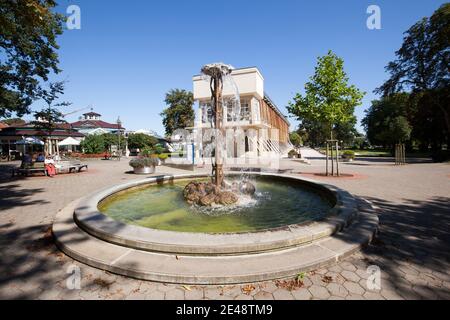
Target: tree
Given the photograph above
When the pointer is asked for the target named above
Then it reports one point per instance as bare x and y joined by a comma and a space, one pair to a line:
110, 139
328, 99
386, 121
141, 141
49, 117
28, 32
14, 122
421, 68
295, 138
180, 113
93, 144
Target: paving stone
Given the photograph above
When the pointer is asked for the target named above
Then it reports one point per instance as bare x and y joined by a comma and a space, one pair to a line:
269, 287
165, 287
262, 295
317, 280
336, 289
390, 295
352, 296
370, 295
301, 294
336, 277
353, 288
282, 294
425, 292
319, 292
195, 294
335, 298
174, 294
335, 268
347, 266
213, 293
350, 276
243, 297
154, 295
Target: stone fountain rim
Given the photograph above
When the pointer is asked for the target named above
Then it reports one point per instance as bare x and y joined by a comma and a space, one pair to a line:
91, 220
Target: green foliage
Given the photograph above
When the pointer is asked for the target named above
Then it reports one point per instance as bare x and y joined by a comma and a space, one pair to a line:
143, 162
28, 32
163, 156
296, 139
93, 144
180, 113
292, 154
386, 120
349, 154
141, 140
50, 117
328, 99
110, 139
421, 68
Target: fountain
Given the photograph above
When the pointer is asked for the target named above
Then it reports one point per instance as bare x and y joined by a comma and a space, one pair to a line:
238, 228
218, 191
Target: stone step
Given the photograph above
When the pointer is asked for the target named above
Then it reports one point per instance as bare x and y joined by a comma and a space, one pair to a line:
223, 269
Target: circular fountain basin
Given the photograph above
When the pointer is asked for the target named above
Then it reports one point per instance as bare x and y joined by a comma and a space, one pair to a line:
151, 215
277, 203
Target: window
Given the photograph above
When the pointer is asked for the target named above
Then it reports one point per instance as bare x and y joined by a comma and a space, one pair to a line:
230, 108
206, 112
245, 110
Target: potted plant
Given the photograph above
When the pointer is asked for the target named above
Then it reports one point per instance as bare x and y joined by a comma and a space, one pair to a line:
348, 155
144, 165
292, 154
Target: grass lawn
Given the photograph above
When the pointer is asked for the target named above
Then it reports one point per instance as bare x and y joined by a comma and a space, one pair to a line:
364, 153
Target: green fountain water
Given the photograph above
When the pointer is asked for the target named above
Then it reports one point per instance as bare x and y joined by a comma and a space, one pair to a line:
275, 204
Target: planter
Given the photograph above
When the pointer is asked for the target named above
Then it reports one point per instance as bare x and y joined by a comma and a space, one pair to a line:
144, 170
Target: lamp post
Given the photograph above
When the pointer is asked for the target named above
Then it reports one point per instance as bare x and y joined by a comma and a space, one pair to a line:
119, 126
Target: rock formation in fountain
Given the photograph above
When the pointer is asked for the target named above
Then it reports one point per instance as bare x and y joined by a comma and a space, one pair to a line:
208, 194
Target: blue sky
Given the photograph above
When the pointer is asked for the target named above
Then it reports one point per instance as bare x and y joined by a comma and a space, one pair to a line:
128, 54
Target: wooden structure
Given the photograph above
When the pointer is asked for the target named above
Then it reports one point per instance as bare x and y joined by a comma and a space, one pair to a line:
400, 154
332, 158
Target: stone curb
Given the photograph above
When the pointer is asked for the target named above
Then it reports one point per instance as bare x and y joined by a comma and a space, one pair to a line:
99, 225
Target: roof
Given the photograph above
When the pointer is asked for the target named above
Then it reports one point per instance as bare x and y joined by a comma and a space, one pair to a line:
82, 124
3, 125
91, 114
30, 131
275, 108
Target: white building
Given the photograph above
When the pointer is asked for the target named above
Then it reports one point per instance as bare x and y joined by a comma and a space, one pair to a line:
265, 128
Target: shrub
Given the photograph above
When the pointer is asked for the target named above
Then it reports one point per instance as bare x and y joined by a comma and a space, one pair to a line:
292, 154
140, 141
143, 162
93, 144
147, 152
348, 154
163, 156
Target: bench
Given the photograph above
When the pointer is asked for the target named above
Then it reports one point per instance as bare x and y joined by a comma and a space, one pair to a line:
27, 169
77, 167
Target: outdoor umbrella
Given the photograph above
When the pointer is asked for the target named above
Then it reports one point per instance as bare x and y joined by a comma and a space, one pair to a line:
30, 141
69, 142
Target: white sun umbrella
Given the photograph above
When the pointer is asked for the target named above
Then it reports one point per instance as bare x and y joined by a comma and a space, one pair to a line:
69, 142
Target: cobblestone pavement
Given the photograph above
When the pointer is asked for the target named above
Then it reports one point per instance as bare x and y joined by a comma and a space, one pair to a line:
412, 249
